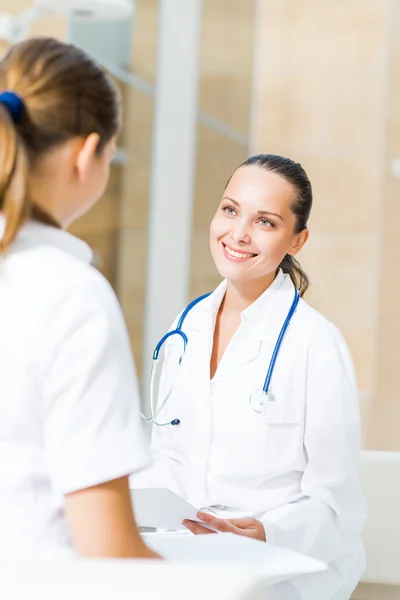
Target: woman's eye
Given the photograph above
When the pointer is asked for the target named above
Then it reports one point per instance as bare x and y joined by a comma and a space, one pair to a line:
229, 210
266, 223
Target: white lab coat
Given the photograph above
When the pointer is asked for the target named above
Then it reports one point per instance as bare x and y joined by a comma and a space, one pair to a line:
69, 403
296, 466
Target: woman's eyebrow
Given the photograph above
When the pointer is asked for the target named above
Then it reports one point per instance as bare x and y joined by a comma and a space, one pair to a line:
231, 200
267, 212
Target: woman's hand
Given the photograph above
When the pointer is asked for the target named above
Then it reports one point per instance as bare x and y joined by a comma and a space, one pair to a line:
248, 526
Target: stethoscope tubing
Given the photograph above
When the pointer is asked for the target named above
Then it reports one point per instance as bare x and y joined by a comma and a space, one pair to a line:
154, 411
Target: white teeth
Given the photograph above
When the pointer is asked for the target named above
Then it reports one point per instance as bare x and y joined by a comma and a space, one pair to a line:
237, 254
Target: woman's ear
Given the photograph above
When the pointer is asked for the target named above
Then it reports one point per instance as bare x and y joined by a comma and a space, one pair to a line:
299, 241
86, 156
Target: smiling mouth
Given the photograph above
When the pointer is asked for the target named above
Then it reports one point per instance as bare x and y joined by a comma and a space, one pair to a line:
234, 254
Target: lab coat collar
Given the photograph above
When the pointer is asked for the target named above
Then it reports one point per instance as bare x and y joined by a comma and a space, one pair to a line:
34, 234
258, 307
261, 323
212, 303
267, 314
265, 304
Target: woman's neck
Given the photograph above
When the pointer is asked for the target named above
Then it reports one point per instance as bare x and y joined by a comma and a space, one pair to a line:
40, 215
240, 295
50, 197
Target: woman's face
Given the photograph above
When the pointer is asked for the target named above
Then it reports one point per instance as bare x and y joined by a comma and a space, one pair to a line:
254, 226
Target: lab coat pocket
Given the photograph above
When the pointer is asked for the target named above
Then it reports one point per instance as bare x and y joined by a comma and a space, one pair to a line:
284, 435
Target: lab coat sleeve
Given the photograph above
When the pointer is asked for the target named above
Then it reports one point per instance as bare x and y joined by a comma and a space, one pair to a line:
92, 427
327, 522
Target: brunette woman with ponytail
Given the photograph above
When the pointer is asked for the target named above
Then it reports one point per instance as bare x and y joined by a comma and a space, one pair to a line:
265, 396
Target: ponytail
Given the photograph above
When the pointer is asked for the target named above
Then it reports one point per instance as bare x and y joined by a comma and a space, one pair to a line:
299, 278
14, 203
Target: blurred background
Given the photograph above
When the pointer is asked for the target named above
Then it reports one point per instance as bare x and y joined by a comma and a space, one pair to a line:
207, 83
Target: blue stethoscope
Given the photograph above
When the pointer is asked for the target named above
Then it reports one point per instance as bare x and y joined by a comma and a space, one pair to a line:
258, 398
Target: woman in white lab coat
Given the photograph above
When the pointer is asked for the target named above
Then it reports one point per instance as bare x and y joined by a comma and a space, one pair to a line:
70, 432
282, 466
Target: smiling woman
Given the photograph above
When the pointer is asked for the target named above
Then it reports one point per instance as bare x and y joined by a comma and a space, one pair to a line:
262, 221
283, 468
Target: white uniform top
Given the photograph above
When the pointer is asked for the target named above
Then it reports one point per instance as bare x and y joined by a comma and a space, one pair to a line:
296, 466
69, 406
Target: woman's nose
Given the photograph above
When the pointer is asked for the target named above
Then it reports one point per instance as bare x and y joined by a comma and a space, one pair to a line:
240, 232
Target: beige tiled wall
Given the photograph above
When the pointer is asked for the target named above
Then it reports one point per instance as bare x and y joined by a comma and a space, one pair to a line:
327, 94
385, 425
226, 61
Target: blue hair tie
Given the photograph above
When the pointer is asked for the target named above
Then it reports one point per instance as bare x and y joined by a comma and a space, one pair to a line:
14, 104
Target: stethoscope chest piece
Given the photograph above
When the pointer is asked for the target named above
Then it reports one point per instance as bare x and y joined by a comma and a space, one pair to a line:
259, 399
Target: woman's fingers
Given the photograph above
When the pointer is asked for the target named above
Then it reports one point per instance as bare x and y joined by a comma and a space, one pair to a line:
246, 523
196, 528
223, 525
248, 526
